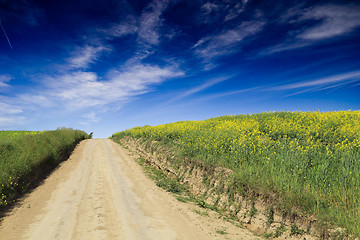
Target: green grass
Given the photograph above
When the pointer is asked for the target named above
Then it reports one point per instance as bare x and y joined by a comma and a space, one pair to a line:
164, 181
221, 231
27, 156
310, 161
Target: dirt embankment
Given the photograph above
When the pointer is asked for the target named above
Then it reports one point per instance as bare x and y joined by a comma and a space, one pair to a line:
215, 185
102, 193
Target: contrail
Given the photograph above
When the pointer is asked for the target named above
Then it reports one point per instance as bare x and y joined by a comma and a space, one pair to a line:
6, 34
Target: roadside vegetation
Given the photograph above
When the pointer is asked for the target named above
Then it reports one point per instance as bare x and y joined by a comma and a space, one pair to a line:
306, 161
27, 156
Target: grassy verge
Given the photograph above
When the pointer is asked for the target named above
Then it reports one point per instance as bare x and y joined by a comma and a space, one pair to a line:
27, 156
173, 185
309, 161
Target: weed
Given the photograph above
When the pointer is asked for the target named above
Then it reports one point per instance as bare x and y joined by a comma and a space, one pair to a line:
201, 213
253, 211
279, 231
221, 231
339, 235
268, 235
182, 199
202, 203
170, 185
295, 230
270, 216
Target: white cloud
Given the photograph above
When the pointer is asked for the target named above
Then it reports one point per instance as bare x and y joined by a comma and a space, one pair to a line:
236, 10
85, 93
336, 20
288, 45
4, 79
35, 100
150, 22
199, 88
332, 21
82, 90
319, 84
83, 57
10, 121
90, 118
146, 26
209, 7
226, 42
6, 109
128, 27
9, 115
229, 93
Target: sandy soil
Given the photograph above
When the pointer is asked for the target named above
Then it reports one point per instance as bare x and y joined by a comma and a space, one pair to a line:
100, 192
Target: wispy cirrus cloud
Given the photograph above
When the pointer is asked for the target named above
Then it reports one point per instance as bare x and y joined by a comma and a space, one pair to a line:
150, 22
127, 27
81, 90
336, 20
147, 27
207, 84
84, 92
74, 88
228, 41
331, 83
4, 81
209, 12
209, 7
235, 10
318, 84
212, 12
318, 23
82, 57
90, 118
9, 114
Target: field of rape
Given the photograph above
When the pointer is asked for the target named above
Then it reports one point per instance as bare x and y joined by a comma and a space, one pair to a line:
26, 156
7, 135
310, 160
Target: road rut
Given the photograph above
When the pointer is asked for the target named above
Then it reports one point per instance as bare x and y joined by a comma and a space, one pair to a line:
100, 192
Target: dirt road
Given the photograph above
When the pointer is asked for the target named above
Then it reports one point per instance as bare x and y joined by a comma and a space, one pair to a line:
102, 193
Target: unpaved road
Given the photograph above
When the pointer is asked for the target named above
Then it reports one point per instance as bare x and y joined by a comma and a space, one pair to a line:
100, 192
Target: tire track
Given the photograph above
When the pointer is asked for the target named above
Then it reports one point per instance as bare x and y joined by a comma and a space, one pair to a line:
102, 193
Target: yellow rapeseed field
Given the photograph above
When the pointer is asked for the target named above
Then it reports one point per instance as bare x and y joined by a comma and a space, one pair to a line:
311, 159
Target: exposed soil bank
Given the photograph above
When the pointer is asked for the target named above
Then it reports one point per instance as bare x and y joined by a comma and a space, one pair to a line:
215, 186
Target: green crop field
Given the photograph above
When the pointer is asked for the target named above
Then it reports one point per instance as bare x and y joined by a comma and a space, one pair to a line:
310, 160
8, 135
28, 155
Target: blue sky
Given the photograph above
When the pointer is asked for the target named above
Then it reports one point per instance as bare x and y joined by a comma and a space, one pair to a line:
105, 66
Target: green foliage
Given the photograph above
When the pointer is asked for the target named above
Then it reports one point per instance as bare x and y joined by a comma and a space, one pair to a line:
221, 231
340, 235
202, 203
26, 156
270, 217
201, 213
162, 180
253, 211
170, 185
279, 231
310, 160
295, 230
